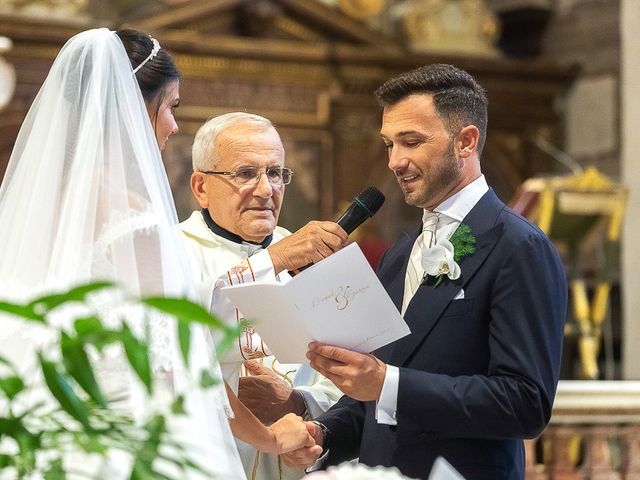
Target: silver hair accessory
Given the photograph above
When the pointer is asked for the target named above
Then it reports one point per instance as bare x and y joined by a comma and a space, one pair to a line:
154, 52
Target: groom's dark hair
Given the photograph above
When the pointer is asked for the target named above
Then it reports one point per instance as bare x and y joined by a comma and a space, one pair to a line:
458, 98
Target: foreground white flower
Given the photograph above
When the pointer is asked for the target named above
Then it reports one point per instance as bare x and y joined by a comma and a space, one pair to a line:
439, 260
349, 471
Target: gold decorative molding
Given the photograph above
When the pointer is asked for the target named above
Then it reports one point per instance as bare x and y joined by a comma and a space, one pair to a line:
45, 8
295, 73
361, 9
185, 14
296, 29
315, 113
306, 20
451, 26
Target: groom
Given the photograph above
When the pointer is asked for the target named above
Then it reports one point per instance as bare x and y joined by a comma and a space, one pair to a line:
486, 306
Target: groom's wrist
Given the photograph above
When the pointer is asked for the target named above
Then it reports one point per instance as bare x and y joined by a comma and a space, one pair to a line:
323, 438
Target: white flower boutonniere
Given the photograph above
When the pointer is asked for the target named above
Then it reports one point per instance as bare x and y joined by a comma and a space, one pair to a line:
439, 261
442, 259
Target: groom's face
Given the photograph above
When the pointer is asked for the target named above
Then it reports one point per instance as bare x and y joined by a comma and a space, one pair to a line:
420, 151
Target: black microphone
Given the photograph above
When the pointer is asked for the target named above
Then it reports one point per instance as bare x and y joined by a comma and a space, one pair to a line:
364, 206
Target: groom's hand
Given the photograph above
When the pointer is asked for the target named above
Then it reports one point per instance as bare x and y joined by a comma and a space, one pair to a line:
291, 434
268, 396
306, 456
358, 375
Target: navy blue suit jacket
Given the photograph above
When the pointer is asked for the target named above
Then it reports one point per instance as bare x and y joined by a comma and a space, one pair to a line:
478, 374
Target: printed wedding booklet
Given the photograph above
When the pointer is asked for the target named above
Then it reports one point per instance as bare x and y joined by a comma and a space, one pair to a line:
338, 301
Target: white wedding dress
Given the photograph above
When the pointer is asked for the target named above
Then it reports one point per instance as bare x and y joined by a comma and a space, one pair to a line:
85, 197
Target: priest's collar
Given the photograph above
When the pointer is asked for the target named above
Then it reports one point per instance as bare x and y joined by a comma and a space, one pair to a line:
218, 230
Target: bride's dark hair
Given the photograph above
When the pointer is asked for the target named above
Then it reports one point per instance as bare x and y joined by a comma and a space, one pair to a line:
154, 75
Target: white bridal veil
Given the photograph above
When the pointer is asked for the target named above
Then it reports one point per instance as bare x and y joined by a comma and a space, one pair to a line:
86, 197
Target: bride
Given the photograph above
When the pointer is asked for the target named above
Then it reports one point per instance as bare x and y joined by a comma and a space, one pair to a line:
85, 197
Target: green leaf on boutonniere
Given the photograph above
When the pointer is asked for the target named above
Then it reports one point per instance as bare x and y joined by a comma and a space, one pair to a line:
463, 241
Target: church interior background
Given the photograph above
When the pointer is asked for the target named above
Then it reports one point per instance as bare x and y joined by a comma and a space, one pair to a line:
562, 78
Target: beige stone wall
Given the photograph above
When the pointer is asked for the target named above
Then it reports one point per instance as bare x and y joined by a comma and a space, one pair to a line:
630, 168
587, 33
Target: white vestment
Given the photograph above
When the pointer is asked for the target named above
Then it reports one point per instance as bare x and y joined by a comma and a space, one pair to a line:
217, 262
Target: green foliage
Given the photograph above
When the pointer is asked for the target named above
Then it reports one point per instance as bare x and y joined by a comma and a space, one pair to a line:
463, 241
207, 380
77, 364
148, 450
27, 312
137, 352
62, 390
55, 471
177, 406
77, 294
79, 417
12, 384
186, 310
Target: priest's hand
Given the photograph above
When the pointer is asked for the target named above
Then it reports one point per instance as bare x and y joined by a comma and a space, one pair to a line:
306, 456
267, 395
358, 375
313, 242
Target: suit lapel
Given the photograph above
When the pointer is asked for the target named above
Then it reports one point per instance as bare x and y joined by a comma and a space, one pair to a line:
395, 268
429, 302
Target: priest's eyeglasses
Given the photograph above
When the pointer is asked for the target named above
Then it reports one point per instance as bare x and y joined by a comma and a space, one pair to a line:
249, 176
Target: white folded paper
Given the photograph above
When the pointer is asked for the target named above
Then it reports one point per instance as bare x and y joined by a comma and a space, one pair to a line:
338, 301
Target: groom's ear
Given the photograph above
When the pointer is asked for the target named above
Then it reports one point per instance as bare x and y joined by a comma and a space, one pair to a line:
198, 188
467, 141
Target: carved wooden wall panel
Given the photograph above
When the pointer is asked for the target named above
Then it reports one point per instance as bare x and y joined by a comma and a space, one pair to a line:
312, 72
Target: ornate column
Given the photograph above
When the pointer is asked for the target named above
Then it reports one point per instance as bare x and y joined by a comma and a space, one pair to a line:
563, 452
598, 464
631, 454
533, 469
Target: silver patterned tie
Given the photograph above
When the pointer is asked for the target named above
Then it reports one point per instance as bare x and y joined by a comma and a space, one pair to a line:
415, 271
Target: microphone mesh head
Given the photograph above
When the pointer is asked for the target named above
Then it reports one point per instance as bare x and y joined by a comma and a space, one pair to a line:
371, 199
